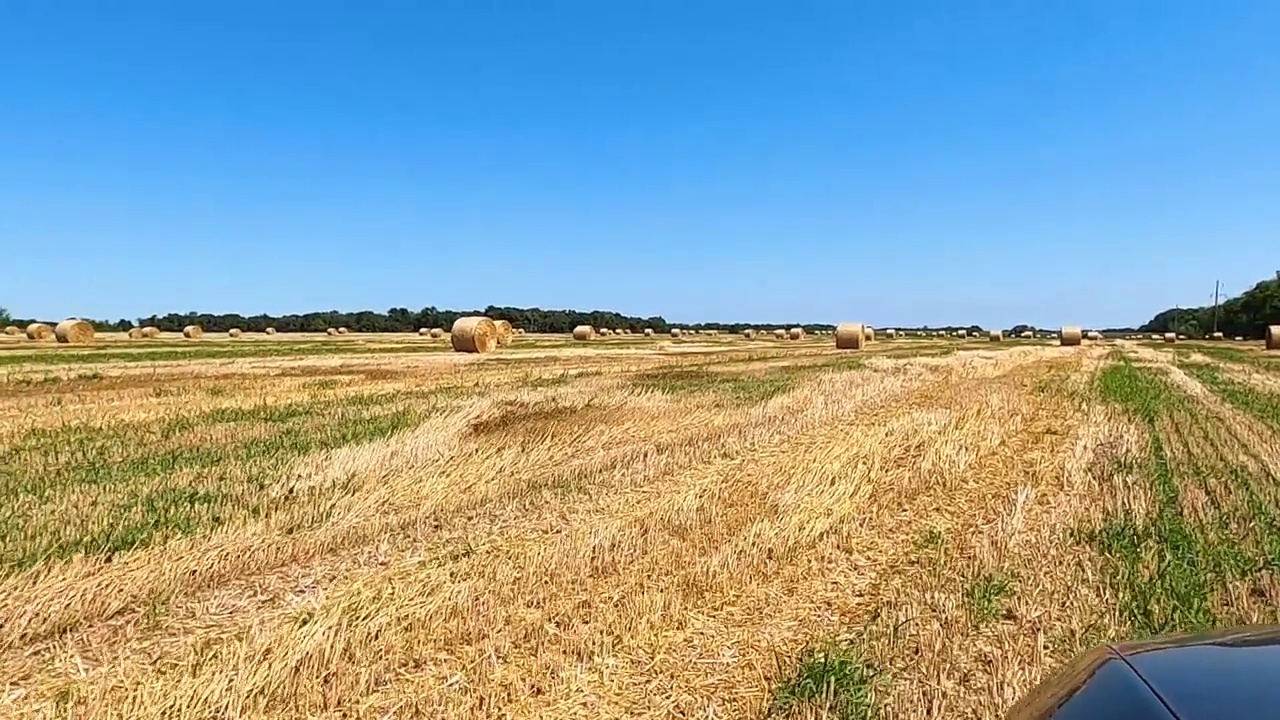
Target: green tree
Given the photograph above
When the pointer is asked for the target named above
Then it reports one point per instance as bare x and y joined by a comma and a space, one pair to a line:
4, 317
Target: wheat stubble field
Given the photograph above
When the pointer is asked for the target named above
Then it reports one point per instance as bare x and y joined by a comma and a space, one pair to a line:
714, 528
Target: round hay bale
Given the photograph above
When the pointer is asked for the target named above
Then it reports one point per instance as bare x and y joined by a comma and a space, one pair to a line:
1157, 337
1094, 336
343, 331
1027, 335
1171, 337
192, 332
505, 333
891, 333
584, 332
748, 333
1273, 337
136, 333
675, 332
151, 331
12, 330
780, 334
437, 333
1070, 335
235, 332
73, 331
1217, 336
475, 334
270, 331
605, 331
618, 331
424, 332
796, 333
39, 331
850, 336
648, 332
868, 333
962, 334
995, 336
331, 331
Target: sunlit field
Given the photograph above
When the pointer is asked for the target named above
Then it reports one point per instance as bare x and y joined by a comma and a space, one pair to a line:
711, 527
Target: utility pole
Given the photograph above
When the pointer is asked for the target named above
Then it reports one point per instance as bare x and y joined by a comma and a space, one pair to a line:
1216, 284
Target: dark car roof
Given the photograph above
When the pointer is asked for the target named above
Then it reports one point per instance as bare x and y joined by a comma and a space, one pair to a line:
1225, 675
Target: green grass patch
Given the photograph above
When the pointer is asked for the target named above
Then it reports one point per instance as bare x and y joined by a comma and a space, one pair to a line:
984, 597
832, 679
744, 387
104, 490
1166, 568
1257, 402
197, 351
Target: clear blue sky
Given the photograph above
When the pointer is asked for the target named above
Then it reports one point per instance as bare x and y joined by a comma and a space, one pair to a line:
898, 163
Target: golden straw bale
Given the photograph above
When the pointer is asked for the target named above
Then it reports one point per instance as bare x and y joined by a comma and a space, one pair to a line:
505, 334
475, 334
73, 331
192, 332
850, 336
584, 332
39, 331
1070, 335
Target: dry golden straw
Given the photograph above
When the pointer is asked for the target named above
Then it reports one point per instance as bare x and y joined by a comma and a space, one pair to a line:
780, 334
151, 331
586, 332
1273, 337
475, 334
73, 331
12, 330
850, 336
504, 331
39, 331
437, 333
995, 336
648, 332
675, 332
891, 333
796, 333
135, 333
1095, 336
331, 331
270, 331
191, 332
343, 331
868, 333
1171, 337
1070, 335
424, 332
235, 332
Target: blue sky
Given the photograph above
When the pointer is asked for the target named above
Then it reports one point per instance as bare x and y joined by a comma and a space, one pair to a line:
898, 163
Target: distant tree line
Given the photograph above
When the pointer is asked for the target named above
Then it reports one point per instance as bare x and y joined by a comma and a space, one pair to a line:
405, 320
1245, 316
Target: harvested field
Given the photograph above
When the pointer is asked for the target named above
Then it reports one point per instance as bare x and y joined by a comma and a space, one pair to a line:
374, 526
